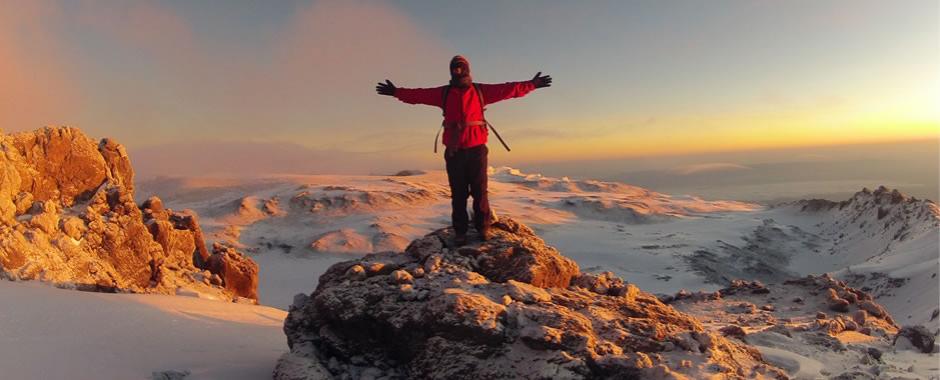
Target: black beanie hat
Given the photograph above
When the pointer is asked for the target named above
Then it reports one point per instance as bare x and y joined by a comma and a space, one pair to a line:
459, 59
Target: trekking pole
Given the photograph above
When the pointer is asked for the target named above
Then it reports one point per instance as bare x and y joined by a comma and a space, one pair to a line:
492, 128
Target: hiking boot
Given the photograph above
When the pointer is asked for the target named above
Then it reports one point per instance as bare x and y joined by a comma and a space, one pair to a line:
460, 240
486, 235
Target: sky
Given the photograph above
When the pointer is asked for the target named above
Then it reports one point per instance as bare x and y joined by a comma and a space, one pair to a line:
223, 87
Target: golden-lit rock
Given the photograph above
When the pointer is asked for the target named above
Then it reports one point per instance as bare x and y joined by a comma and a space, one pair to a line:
68, 206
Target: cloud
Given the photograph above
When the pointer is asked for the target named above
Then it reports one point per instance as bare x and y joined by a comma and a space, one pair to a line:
812, 157
309, 79
329, 57
142, 72
155, 29
710, 167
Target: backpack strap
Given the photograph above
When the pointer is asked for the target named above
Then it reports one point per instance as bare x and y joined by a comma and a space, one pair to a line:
476, 86
483, 109
444, 99
443, 108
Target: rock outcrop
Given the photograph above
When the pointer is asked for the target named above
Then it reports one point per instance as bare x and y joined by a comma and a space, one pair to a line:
511, 307
796, 319
237, 272
883, 211
68, 216
917, 337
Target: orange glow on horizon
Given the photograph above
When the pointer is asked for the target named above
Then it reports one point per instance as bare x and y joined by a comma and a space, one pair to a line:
661, 142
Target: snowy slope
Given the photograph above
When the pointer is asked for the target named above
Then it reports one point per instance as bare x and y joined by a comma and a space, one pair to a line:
883, 241
296, 226
51, 333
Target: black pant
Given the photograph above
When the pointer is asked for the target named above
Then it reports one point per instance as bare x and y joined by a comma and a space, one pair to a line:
466, 173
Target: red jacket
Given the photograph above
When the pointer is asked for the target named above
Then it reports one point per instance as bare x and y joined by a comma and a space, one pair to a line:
463, 106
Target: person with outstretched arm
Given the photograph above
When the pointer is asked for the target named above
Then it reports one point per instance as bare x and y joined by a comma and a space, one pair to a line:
465, 134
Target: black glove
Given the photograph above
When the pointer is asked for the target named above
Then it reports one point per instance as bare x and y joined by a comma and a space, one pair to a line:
387, 88
542, 80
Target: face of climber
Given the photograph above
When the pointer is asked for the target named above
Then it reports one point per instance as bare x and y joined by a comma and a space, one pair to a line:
459, 67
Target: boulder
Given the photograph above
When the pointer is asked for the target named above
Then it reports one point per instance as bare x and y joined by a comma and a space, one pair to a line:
873, 308
839, 305
733, 331
178, 233
239, 273
917, 336
118, 163
187, 220
73, 226
153, 209
744, 286
517, 254
46, 218
511, 307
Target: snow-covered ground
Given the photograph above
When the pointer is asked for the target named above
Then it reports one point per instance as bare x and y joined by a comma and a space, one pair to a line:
51, 333
296, 226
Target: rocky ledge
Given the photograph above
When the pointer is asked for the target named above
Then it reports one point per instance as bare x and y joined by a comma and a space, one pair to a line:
68, 216
813, 327
512, 307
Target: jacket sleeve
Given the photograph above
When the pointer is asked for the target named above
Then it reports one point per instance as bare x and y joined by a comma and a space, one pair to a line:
493, 93
428, 96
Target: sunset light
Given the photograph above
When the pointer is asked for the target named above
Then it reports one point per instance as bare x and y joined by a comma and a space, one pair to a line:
463, 190
838, 73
